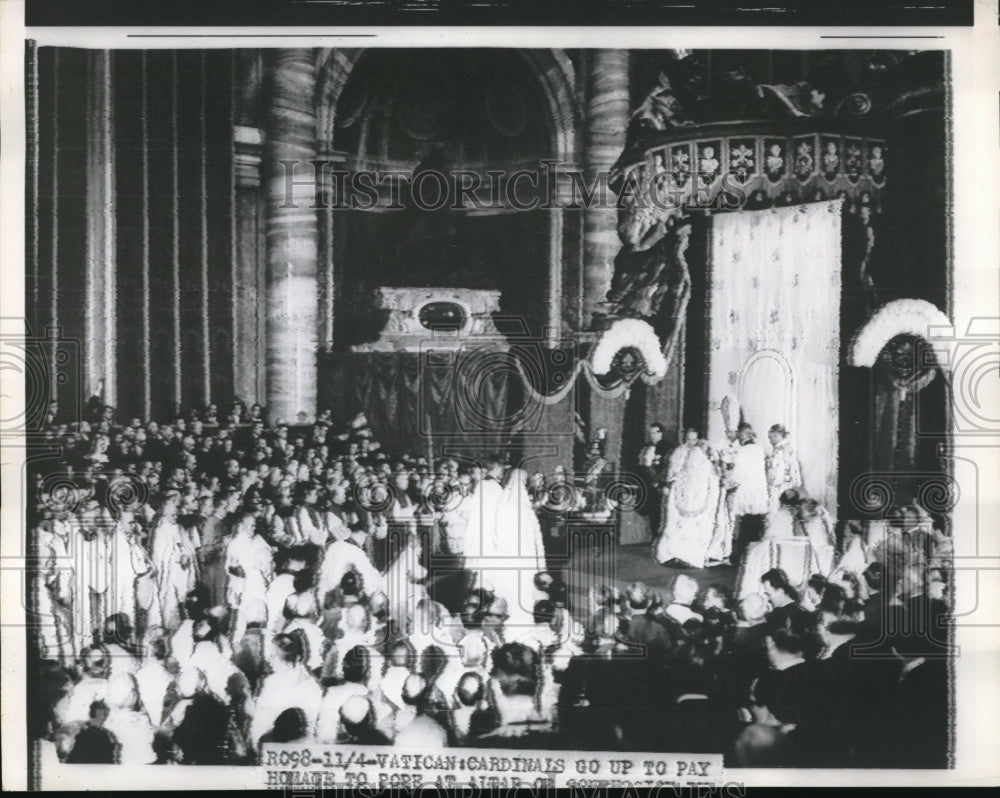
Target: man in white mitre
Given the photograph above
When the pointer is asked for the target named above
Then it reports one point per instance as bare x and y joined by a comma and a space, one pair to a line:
750, 499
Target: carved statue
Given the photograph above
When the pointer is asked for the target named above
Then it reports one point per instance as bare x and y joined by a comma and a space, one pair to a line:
902, 446
654, 283
859, 233
641, 228
798, 99
660, 110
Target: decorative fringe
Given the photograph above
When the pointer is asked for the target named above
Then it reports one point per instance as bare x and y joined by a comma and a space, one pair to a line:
904, 316
629, 333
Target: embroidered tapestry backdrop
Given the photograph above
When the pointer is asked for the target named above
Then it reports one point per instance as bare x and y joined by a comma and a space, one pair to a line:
774, 330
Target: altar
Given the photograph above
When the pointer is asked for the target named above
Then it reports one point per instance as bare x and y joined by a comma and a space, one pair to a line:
435, 379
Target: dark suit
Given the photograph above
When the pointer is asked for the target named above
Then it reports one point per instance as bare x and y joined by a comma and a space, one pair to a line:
830, 711
791, 616
917, 717
786, 692
698, 725
745, 659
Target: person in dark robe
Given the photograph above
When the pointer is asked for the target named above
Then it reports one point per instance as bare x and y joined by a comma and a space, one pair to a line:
212, 552
203, 734
289, 727
95, 745
652, 462
785, 610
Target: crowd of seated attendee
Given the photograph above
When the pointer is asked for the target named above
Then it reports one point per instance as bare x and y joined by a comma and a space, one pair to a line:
209, 586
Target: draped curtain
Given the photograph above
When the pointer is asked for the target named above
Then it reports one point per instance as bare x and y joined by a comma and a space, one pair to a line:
471, 403
774, 329
416, 402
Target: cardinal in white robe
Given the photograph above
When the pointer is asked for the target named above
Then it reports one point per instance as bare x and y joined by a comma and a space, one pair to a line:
692, 505
347, 555
250, 565
57, 588
174, 561
134, 589
482, 506
781, 526
95, 570
516, 551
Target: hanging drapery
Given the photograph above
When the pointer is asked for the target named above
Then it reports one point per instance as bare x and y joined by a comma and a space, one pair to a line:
774, 329
582, 368
458, 401
417, 401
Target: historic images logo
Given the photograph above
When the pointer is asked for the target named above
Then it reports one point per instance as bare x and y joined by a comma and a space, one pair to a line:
552, 185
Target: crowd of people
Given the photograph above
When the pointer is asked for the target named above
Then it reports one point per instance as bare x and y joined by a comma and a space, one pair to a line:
212, 584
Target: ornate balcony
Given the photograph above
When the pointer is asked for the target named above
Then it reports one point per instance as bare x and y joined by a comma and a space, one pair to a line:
753, 164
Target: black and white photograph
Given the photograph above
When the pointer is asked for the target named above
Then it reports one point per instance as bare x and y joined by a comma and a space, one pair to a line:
495, 415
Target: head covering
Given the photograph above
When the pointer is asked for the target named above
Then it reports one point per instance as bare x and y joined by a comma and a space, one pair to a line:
255, 611
730, 410
189, 681
355, 709
413, 688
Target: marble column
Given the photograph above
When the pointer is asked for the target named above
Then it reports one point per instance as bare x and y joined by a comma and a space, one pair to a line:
100, 339
291, 237
249, 283
607, 112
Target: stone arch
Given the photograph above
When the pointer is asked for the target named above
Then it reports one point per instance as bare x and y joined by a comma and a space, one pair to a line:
781, 403
551, 68
555, 79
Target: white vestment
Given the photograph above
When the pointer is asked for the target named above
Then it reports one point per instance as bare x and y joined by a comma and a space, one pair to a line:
130, 563
342, 556
251, 553
819, 530
692, 507
95, 575
480, 529
750, 477
783, 472
779, 548
135, 735
56, 590
174, 561
516, 552
328, 724
402, 583
288, 688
